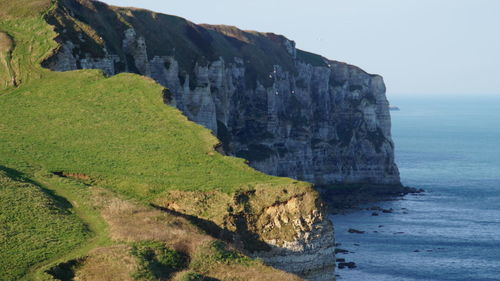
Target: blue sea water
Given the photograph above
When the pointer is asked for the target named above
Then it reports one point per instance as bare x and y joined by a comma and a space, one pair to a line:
449, 146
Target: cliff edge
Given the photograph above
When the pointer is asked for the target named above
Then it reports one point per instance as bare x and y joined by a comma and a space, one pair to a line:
142, 181
288, 112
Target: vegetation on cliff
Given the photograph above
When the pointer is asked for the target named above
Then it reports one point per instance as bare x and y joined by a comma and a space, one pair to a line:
83, 157
267, 101
169, 35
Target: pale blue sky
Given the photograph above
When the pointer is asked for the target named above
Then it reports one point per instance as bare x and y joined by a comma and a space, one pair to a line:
418, 46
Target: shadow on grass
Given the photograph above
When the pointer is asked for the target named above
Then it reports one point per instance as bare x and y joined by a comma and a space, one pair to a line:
251, 241
21, 177
65, 271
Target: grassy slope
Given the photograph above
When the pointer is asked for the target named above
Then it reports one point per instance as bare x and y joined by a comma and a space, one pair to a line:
116, 131
33, 227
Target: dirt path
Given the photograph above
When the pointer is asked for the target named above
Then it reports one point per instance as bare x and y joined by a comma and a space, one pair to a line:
6, 72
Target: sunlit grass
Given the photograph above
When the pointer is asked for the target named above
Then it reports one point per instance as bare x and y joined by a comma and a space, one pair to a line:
114, 132
33, 227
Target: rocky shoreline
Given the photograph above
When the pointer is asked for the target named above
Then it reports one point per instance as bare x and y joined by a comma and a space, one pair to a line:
342, 199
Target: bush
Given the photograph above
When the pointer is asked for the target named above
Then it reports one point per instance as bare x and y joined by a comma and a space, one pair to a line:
216, 252
192, 276
155, 260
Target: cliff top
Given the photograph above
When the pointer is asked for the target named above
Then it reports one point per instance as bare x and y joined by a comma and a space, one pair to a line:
96, 117
70, 133
167, 35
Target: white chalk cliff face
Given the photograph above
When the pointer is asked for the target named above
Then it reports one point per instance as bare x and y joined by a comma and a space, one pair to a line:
323, 124
289, 112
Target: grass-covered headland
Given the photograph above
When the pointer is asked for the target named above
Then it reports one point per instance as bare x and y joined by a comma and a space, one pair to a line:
81, 158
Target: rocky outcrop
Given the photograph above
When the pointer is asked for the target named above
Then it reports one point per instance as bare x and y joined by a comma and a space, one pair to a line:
311, 255
285, 228
289, 112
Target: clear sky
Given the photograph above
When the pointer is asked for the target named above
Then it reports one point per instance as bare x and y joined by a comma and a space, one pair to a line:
419, 46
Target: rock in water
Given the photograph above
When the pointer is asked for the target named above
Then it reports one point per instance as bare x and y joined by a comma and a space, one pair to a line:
352, 230
349, 265
341, 251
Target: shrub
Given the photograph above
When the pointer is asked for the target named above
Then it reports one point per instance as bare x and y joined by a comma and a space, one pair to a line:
155, 260
193, 276
216, 252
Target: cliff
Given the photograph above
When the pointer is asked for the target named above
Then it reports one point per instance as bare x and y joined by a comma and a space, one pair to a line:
288, 112
286, 228
140, 179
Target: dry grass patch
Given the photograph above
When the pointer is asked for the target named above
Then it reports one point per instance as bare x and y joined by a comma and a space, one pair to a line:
248, 273
23, 8
211, 205
131, 222
7, 75
219, 261
5, 42
107, 264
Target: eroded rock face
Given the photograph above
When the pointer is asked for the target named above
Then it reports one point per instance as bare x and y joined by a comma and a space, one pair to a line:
323, 124
311, 256
311, 253
288, 230
290, 113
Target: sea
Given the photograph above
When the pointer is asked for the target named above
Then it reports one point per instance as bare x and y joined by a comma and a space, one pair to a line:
450, 146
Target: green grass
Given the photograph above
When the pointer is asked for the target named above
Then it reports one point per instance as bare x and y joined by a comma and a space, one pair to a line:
33, 226
216, 252
80, 198
116, 131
